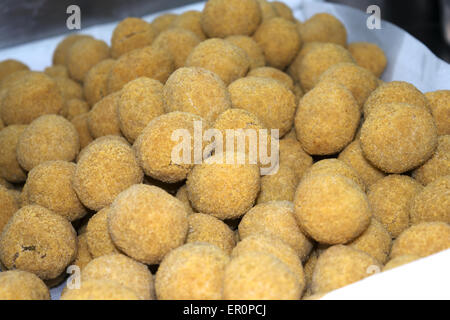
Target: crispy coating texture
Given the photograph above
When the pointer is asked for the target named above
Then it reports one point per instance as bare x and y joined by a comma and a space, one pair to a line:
100, 289
279, 40
38, 241
69, 88
154, 147
268, 99
31, 95
375, 241
74, 107
179, 42
276, 218
398, 137
308, 269
358, 80
103, 118
438, 101
317, 59
422, 240
123, 270
206, 228
62, 49
152, 62
260, 276
22, 285
95, 82
83, 254
9, 166
223, 190
390, 199
163, 22
283, 10
438, 165
9, 66
369, 56
57, 71
183, 197
81, 125
273, 73
49, 137
194, 271
98, 239
327, 118
131, 33
331, 208
433, 202
293, 155
394, 92
50, 185
324, 27
83, 55
278, 186
198, 91
254, 52
146, 223
293, 69
190, 20
222, 18
399, 261
140, 101
268, 11
222, 57
9, 205
339, 266
353, 156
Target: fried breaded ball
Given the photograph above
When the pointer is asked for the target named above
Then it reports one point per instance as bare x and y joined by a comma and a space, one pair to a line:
390, 199
394, 92
358, 80
73, 108
369, 56
222, 18
260, 276
95, 82
339, 266
438, 102
49, 185
268, 11
327, 118
293, 155
2, 125
438, 165
223, 190
9, 66
140, 101
353, 156
100, 289
222, 57
433, 202
190, 20
152, 62
422, 240
38, 241
9, 166
398, 137
206, 228
98, 239
103, 118
49, 137
32, 95
103, 139
399, 261
83, 254
83, 55
317, 60
273, 73
279, 40
198, 91
179, 42
194, 271
283, 10
183, 197
81, 125
105, 169
22, 285
251, 48
69, 88
278, 186
61, 50
131, 33
308, 269
332, 209
163, 22
276, 218
58, 71
324, 27
155, 147
294, 67
9, 205
268, 99
123, 270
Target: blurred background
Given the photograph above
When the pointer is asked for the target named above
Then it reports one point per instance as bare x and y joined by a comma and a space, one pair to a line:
27, 20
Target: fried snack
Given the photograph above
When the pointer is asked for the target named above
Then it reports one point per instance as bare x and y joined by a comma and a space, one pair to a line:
279, 186
22, 285
399, 261
163, 22
268, 11
97, 235
95, 81
69, 88
81, 125
438, 165
183, 197
438, 102
83, 254
57, 71
292, 155
9, 205
294, 67
74, 107
9, 166
324, 27
273, 73
9, 66
283, 10
251, 48
190, 20
369, 56
62, 49
100, 290
103, 118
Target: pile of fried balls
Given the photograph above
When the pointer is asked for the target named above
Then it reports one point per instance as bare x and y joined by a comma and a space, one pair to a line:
87, 177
